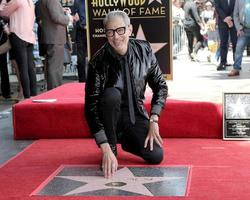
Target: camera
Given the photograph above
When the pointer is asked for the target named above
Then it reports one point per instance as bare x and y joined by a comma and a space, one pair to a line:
3, 24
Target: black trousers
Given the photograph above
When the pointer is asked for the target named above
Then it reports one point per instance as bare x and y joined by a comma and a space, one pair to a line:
119, 129
81, 45
23, 53
194, 32
5, 83
54, 67
224, 33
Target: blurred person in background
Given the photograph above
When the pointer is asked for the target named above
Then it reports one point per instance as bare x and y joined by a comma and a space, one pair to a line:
54, 20
212, 41
16, 71
41, 46
81, 40
3, 60
177, 24
208, 19
224, 9
242, 24
193, 25
5, 83
22, 16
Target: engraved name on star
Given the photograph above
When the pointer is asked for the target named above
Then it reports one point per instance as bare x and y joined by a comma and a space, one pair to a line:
123, 180
155, 46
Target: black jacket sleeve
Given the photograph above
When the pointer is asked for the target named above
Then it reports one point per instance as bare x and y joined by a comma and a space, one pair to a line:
158, 85
93, 92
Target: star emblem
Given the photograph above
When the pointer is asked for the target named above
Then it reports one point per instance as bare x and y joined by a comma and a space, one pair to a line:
155, 46
237, 107
123, 180
151, 1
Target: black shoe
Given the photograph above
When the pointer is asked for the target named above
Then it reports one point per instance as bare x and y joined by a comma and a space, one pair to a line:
221, 67
227, 65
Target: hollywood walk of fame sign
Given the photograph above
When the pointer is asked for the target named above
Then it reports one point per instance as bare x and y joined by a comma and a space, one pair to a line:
127, 181
236, 116
151, 20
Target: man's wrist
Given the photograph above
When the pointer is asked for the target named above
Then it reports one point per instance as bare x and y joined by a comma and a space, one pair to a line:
153, 121
105, 147
154, 118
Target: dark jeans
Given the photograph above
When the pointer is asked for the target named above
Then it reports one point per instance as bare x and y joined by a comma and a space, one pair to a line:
194, 32
23, 53
81, 45
224, 42
5, 83
119, 129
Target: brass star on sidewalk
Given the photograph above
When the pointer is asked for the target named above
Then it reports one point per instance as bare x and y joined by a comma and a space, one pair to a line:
151, 1
123, 180
155, 46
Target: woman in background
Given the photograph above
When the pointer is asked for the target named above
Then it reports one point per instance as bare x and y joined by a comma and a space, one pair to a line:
22, 17
5, 83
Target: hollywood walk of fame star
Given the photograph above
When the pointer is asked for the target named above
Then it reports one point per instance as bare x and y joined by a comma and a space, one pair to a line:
238, 109
151, 1
155, 46
123, 180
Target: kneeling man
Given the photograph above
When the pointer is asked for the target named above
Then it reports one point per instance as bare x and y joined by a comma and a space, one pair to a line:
117, 77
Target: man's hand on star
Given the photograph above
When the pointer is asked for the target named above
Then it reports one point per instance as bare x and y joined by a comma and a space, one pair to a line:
109, 161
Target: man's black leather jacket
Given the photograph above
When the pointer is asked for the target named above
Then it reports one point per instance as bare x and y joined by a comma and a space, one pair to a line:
103, 72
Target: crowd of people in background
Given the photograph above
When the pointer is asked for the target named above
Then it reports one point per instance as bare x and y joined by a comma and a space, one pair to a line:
17, 25
199, 23
214, 25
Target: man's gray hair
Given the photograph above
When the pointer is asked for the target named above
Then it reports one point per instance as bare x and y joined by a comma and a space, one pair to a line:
116, 13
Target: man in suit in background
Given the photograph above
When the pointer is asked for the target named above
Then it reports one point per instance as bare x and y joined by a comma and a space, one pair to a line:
54, 23
81, 40
225, 9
